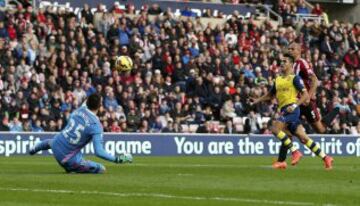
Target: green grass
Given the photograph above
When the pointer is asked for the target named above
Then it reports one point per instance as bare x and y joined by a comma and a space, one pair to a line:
181, 181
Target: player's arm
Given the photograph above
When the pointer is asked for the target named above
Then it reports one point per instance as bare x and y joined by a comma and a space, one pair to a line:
307, 71
99, 148
304, 96
100, 151
267, 97
314, 85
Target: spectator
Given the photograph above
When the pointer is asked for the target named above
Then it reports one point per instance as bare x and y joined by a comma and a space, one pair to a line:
3, 31
229, 128
317, 10
251, 124
351, 59
37, 126
326, 46
155, 9
302, 9
110, 101
345, 129
79, 93
265, 128
187, 12
4, 125
15, 125
228, 110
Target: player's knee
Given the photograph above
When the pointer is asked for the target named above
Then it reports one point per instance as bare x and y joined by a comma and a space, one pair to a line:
274, 130
319, 127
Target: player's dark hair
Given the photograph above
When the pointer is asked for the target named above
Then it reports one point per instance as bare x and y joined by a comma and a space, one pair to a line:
94, 101
291, 58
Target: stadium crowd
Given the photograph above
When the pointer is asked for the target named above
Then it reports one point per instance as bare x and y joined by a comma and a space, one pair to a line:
185, 72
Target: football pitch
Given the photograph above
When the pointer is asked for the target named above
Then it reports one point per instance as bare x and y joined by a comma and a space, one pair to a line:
181, 181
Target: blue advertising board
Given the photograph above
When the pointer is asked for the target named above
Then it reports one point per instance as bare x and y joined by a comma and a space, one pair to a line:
186, 144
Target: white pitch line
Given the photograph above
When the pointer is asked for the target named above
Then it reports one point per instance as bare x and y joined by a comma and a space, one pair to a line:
183, 165
156, 165
184, 174
160, 195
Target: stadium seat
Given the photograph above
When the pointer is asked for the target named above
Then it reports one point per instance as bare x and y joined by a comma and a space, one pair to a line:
193, 128
185, 128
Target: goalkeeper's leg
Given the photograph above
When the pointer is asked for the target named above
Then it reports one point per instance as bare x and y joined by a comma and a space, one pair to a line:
43, 145
78, 165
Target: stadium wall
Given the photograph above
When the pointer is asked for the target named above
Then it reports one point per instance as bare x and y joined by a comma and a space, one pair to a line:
343, 12
12, 144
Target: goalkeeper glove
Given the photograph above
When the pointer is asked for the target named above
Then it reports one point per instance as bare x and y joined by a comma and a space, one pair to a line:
124, 158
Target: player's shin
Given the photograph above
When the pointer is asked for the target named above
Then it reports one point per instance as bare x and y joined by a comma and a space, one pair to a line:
286, 141
315, 148
282, 153
328, 119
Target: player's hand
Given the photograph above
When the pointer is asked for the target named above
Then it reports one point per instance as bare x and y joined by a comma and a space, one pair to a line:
124, 158
312, 96
306, 102
291, 108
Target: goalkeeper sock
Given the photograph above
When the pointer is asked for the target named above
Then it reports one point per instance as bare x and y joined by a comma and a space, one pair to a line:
43, 145
315, 148
286, 141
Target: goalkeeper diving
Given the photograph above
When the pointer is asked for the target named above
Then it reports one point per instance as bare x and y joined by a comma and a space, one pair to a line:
83, 126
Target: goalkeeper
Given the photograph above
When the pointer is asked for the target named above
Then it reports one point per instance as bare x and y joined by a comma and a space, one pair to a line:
83, 126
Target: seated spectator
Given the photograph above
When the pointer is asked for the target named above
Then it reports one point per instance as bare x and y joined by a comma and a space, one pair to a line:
15, 125
228, 110
301, 8
4, 124
187, 12
3, 31
351, 59
317, 10
229, 128
36, 127
155, 9
110, 101
251, 124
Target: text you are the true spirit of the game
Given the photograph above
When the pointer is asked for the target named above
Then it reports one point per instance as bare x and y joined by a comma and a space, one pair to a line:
186, 144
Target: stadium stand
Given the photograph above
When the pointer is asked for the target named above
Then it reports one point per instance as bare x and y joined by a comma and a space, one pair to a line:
191, 73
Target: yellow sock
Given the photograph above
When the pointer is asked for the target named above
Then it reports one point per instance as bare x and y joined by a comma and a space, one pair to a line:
286, 141
315, 148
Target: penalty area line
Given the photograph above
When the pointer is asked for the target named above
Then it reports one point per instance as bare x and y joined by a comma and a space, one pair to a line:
161, 195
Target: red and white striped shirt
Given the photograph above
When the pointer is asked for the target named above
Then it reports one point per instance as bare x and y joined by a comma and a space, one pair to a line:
302, 68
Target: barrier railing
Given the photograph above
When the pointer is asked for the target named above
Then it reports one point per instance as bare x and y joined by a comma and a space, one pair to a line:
309, 17
12, 144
